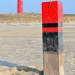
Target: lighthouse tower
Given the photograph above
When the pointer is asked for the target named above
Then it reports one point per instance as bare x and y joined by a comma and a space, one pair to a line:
20, 6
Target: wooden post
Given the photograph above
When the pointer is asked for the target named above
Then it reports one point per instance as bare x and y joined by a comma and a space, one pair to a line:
52, 20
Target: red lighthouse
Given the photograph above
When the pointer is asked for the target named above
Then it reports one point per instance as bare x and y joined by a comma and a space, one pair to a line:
20, 6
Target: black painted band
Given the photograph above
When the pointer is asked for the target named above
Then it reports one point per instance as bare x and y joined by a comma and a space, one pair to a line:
53, 42
52, 25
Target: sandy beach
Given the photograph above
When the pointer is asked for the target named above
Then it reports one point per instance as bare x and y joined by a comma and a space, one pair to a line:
21, 45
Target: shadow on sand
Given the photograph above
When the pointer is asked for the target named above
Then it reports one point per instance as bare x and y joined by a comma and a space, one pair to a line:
20, 68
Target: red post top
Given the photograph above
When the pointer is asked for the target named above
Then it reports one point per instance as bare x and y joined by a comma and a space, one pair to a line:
20, 6
52, 12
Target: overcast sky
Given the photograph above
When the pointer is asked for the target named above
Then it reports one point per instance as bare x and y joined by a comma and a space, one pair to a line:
10, 6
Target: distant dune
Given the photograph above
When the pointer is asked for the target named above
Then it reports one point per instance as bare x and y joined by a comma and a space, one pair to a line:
69, 18
30, 17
